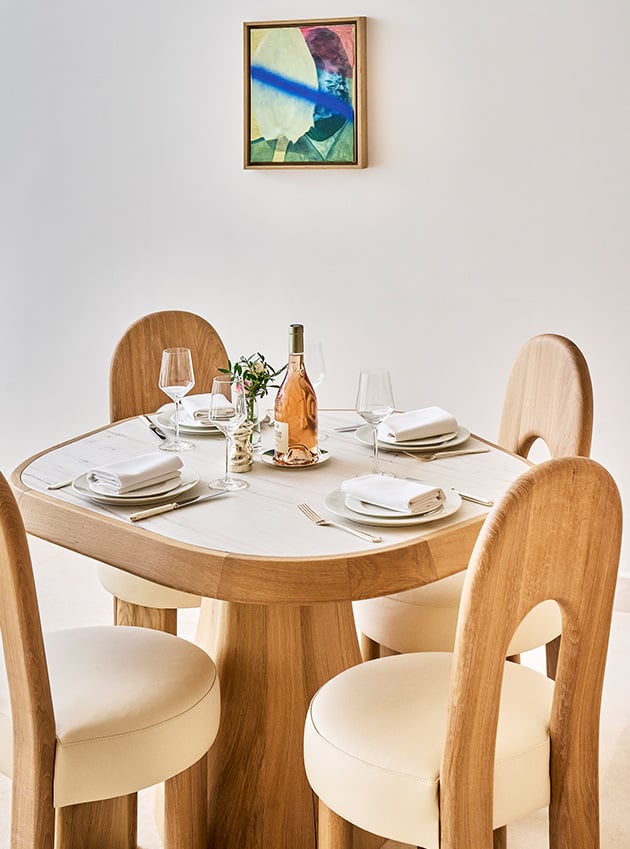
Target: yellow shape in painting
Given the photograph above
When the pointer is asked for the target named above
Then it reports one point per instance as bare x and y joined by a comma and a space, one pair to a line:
283, 51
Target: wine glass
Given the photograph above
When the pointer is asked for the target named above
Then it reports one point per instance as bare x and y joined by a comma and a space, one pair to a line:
315, 366
176, 380
375, 401
314, 363
227, 411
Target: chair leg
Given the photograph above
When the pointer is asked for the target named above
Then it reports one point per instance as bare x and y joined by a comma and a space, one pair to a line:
106, 824
552, 650
333, 832
32, 819
186, 808
370, 649
160, 619
499, 838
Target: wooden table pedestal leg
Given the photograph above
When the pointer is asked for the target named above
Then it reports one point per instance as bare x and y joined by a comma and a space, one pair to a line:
271, 659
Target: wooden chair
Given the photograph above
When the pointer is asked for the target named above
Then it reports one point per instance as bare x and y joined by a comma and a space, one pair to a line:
549, 397
89, 716
438, 749
133, 389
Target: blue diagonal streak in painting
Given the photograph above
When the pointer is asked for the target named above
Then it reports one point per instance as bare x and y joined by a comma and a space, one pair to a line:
314, 95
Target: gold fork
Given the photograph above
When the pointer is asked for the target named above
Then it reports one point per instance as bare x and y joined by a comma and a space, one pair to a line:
439, 455
315, 517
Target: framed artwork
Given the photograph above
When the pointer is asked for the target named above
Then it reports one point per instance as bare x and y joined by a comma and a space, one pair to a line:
305, 93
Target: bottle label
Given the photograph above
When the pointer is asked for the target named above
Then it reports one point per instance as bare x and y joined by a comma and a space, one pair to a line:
281, 433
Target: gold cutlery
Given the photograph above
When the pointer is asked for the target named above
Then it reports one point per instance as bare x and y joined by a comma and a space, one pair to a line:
156, 430
59, 485
439, 455
318, 520
486, 502
173, 505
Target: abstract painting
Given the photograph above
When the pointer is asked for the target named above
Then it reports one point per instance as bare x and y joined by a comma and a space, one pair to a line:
305, 94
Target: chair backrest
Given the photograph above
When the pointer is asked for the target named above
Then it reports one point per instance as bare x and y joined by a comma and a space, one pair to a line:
25, 660
555, 534
135, 365
550, 397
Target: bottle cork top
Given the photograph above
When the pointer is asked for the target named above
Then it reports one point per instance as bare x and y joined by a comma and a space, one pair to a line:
296, 338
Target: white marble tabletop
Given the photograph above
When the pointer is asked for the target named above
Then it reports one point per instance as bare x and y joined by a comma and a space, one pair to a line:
263, 519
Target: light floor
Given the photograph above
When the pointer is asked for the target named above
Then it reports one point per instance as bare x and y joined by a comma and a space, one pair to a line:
70, 595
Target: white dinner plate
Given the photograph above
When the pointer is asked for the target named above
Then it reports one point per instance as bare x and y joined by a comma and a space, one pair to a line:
336, 503
267, 458
367, 509
364, 435
154, 489
427, 442
165, 417
81, 487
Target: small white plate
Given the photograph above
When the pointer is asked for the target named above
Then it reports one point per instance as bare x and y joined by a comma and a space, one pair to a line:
267, 458
81, 487
336, 503
364, 435
155, 489
367, 509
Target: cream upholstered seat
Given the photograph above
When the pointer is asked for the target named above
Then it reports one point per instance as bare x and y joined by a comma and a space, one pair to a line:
88, 716
133, 389
438, 749
549, 397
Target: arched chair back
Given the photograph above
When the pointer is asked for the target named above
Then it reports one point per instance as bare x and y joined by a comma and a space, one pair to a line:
549, 396
31, 763
135, 365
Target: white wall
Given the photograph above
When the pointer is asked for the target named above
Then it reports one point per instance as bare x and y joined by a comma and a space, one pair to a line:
496, 204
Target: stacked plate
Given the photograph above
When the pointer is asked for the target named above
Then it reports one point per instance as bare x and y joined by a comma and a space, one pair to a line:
364, 513
166, 419
429, 445
169, 489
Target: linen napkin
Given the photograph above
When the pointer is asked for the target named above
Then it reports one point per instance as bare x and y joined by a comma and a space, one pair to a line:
418, 424
136, 472
195, 408
394, 493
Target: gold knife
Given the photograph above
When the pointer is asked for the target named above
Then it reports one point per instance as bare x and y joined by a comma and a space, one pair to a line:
174, 505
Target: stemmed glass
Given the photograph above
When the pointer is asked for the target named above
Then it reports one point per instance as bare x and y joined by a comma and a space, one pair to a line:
315, 366
375, 401
176, 380
227, 411
314, 363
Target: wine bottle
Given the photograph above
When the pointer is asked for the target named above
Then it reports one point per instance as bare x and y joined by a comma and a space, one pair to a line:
295, 410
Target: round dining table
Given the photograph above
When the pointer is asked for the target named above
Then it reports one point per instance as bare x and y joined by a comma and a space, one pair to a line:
277, 588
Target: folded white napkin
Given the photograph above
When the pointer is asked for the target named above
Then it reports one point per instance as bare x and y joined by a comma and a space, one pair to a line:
136, 472
418, 424
394, 493
195, 408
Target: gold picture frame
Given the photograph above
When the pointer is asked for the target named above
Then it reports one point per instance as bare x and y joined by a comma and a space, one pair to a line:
305, 94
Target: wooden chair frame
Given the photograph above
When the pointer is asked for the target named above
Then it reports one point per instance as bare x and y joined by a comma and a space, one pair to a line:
549, 396
556, 534
133, 389
35, 822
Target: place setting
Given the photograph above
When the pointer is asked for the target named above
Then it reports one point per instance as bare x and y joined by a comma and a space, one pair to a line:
386, 501
427, 430
145, 479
